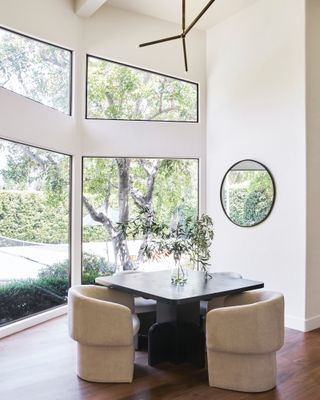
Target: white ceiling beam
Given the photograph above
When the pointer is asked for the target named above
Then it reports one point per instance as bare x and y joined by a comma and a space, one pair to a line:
86, 8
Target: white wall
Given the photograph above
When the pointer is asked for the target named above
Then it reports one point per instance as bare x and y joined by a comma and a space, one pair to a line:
256, 109
112, 34
313, 164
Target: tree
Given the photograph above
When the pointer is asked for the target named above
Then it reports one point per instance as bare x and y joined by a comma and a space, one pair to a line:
144, 201
145, 186
36, 70
120, 92
119, 241
30, 174
28, 167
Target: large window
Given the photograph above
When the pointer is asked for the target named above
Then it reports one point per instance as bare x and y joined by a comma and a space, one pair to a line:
37, 70
34, 230
115, 190
117, 91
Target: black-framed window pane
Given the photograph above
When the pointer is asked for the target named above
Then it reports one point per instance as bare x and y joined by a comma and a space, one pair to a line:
36, 70
117, 189
118, 91
34, 230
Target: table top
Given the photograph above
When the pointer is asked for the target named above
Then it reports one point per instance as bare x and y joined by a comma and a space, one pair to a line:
157, 285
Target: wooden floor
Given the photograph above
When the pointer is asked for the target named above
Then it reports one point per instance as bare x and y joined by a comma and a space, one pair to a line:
39, 364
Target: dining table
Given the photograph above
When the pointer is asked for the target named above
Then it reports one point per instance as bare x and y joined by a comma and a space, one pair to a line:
178, 335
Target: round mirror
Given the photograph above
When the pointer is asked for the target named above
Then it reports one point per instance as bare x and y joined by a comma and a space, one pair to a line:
247, 193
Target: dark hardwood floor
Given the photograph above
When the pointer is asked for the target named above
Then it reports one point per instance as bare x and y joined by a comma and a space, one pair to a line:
39, 364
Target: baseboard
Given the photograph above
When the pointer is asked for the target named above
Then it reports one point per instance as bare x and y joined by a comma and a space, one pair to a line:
312, 323
32, 321
301, 324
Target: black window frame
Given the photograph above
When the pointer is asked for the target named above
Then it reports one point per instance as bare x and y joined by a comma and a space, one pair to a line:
196, 121
70, 71
71, 161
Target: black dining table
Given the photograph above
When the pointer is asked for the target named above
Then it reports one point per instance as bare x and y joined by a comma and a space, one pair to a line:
177, 336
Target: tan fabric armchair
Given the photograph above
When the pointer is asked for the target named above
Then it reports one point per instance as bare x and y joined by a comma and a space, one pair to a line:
242, 340
102, 323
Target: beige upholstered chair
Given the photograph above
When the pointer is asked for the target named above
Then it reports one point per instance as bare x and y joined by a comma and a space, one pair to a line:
242, 340
102, 323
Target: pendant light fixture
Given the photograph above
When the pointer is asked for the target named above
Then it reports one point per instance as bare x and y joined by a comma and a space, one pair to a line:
185, 31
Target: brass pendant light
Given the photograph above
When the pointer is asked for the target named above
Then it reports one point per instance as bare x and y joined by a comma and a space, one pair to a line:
184, 33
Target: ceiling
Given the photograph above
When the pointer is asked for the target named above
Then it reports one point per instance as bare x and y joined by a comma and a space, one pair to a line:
170, 10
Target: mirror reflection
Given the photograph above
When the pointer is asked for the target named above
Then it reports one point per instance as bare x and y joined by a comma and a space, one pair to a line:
247, 193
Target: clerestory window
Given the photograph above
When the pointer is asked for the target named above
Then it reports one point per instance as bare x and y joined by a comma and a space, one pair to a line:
37, 70
120, 92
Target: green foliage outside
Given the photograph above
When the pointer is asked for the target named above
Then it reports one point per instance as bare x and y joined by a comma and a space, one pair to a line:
120, 92
93, 234
21, 298
250, 196
57, 275
175, 189
36, 70
249, 209
26, 216
31, 169
257, 206
116, 190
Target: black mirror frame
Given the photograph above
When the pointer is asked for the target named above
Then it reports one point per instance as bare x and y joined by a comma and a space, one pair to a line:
274, 192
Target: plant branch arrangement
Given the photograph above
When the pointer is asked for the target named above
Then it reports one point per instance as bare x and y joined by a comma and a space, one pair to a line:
189, 237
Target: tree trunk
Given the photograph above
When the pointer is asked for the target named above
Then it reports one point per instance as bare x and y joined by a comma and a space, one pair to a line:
123, 193
145, 202
118, 238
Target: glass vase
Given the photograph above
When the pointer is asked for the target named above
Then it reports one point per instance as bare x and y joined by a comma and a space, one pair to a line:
178, 274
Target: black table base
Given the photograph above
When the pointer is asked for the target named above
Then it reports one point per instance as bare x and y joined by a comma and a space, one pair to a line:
176, 343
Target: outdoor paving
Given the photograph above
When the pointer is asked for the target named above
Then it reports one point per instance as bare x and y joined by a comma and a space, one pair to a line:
22, 262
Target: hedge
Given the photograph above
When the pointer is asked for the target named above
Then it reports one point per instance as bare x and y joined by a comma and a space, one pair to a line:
30, 217
94, 234
247, 209
27, 216
20, 299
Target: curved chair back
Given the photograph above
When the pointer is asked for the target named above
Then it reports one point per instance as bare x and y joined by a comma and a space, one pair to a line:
100, 316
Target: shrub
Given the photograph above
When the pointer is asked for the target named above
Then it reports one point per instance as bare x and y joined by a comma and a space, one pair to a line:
57, 275
19, 299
